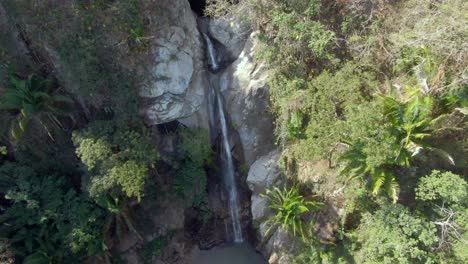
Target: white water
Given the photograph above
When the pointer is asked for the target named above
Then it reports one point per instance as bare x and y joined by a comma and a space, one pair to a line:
228, 172
228, 164
211, 53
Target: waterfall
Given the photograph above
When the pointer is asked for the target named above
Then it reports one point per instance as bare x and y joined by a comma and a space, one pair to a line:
228, 173
214, 65
226, 157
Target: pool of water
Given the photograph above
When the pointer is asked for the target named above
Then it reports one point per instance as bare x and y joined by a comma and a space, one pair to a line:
229, 254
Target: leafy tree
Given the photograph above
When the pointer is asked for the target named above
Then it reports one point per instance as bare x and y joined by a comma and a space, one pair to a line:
48, 221
117, 159
288, 207
445, 201
36, 101
408, 126
393, 235
371, 148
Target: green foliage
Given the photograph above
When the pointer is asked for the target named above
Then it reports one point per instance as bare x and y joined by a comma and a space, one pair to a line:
87, 39
411, 57
357, 166
118, 159
289, 207
408, 126
193, 156
409, 120
296, 34
35, 100
444, 197
317, 111
48, 220
296, 124
3, 150
154, 247
393, 235
119, 221
443, 187
312, 252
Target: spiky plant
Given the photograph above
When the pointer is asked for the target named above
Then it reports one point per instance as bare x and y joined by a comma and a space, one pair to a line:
288, 206
35, 100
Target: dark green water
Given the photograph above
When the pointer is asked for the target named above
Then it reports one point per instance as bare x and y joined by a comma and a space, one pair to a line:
229, 254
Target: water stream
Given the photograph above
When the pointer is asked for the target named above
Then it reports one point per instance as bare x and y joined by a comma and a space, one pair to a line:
228, 169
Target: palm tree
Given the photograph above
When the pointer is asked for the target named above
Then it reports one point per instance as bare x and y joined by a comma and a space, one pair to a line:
119, 218
35, 100
411, 123
382, 176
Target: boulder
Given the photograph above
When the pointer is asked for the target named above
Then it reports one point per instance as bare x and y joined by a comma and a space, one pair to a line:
280, 241
264, 172
259, 207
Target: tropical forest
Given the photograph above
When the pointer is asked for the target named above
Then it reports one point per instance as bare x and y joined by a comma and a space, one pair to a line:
233, 131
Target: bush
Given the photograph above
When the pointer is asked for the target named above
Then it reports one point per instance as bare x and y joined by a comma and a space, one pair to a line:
118, 159
393, 235
48, 219
193, 155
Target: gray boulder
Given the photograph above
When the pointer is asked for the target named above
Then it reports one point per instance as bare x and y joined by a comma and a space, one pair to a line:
264, 172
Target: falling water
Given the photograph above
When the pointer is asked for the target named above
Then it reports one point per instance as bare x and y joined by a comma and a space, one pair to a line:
228, 165
228, 172
211, 53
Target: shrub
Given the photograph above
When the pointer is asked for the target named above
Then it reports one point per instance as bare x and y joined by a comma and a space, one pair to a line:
193, 155
393, 235
117, 158
48, 219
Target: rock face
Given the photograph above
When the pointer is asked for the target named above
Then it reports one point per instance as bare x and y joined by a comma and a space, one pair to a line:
262, 175
245, 89
263, 172
176, 83
230, 32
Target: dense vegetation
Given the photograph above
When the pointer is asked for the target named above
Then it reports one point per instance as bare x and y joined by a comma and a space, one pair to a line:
375, 89
368, 87
77, 164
